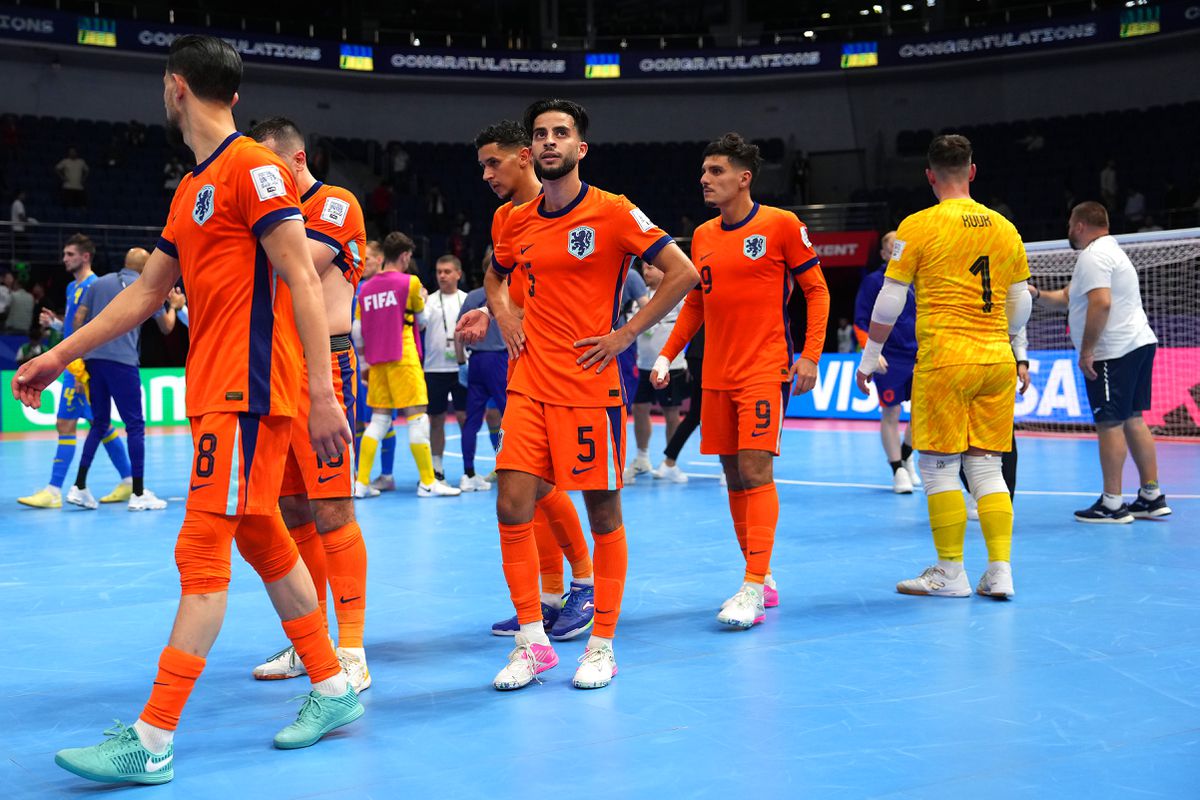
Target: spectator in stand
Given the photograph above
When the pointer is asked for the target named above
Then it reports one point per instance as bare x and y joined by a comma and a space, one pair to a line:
38, 292
20, 310
686, 227
1149, 226
380, 205
6, 287
73, 172
1108, 185
135, 134
398, 157
1135, 209
435, 210
19, 218
173, 172
115, 153
34, 347
10, 135
845, 336
1032, 141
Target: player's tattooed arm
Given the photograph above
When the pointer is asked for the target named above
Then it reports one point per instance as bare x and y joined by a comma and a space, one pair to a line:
507, 316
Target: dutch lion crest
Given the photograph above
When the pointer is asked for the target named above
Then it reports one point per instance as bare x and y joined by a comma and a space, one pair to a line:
204, 204
754, 246
581, 242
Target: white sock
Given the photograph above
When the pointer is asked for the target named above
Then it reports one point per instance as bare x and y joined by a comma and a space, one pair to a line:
156, 740
952, 568
54, 490
757, 588
127, 481
1111, 501
590, 580
358, 652
333, 686
1151, 493
385, 475
643, 454
599, 641
551, 599
437, 463
535, 633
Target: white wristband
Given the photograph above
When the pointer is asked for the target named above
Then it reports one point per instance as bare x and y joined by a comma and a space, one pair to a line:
869, 364
487, 312
662, 365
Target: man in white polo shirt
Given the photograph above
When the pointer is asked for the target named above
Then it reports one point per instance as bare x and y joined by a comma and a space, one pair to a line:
441, 366
1116, 353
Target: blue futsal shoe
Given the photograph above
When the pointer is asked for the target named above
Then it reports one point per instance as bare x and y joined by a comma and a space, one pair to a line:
577, 614
510, 626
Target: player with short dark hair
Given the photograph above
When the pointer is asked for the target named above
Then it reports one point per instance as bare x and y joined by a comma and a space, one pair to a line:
565, 418
749, 256
235, 235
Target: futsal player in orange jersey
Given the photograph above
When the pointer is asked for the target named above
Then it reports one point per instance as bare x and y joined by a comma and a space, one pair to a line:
236, 236
506, 157
317, 499
565, 420
748, 257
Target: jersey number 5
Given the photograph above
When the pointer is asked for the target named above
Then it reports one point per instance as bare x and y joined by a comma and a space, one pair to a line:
981, 268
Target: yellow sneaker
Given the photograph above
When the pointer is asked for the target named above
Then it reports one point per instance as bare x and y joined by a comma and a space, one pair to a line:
120, 494
43, 499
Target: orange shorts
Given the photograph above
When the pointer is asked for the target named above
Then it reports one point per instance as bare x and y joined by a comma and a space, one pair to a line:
748, 418
238, 463
572, 448
305, 473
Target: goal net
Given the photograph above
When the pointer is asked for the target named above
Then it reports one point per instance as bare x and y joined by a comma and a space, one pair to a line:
1168, 267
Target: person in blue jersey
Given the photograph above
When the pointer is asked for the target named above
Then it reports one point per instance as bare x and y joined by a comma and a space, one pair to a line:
77, 256
895, 386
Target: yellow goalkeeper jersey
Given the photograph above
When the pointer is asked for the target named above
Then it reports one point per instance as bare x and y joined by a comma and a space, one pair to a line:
961, 257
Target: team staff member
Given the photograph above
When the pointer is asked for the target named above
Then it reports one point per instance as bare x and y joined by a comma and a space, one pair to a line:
113, 377
668, 399
749, 258
437, 320
967, 264
316, 498
234, 228
1116, 353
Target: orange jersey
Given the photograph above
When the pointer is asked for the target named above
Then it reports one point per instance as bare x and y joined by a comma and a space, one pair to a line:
574, 261
746, 276
333, 217
517, 285
245, 353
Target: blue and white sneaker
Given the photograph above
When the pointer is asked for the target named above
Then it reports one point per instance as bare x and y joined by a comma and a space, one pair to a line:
1097, 512
510, 626
1141, 508
577, 614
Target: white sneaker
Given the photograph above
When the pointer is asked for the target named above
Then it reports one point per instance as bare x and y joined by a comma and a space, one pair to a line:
437, 489
146, 501
911, 468
641, 466
936, 583
355, 667
744, 610
362, 491
901, 482
972, 507
474, 483
81, 497
284, 664
996, 581
597, 667
384, 483
525, 662
672, 473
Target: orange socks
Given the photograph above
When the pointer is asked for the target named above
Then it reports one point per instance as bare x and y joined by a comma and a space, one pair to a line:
519, 552
311, 640
177, 674
762, 516
346, 555
737, 509
312, 553
564, 522
611, 562
550, 562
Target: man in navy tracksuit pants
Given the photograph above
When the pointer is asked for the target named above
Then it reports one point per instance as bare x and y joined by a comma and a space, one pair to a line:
487, 379
113, 368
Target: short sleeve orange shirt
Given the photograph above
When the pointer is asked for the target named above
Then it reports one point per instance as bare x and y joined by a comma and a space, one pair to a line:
333, 217
245, 353
574, 262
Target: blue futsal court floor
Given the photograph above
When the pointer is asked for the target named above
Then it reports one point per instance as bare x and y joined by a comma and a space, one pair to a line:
1087, 684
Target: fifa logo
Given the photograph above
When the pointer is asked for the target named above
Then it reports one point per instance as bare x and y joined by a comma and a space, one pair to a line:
581, 242
204, 205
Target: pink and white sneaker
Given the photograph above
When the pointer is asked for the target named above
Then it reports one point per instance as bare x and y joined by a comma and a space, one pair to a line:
770, 592
525, 662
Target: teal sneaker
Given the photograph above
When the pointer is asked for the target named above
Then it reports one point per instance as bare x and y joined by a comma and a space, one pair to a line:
318, 716
122, 758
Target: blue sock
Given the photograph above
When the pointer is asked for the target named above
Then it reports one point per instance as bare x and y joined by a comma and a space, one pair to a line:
115, 447
494, 435
389, 451
63, 457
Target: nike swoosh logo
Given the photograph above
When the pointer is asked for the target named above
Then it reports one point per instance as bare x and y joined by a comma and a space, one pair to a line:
706, 255
526, 247
588, 604
598, 611
578, 471
155, 766
349, 599
198, 486
757, 552
160, 683
326, 479
758, 433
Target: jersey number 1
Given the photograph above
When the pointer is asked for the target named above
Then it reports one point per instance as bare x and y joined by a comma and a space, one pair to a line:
981, 267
